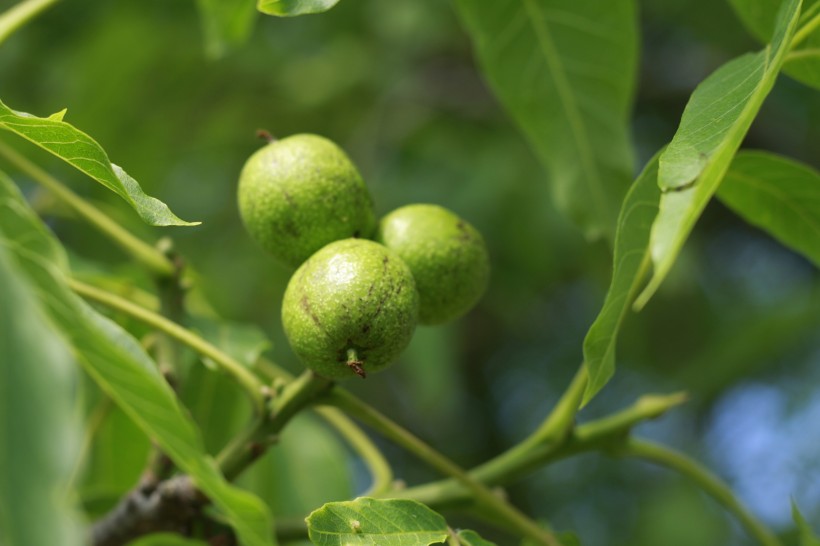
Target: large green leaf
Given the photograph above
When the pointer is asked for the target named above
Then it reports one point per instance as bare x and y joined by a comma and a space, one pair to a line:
372, 522
226, 24
630, 265
802, 63
713, 125
85, 154
565, 71
290, 8
779, 195
117, 363
39, 431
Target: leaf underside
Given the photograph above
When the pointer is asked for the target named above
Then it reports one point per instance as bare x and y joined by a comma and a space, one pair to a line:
712, 127
778, 195
565, 71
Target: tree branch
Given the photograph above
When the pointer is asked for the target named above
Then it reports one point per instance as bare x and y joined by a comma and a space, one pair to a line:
169, 506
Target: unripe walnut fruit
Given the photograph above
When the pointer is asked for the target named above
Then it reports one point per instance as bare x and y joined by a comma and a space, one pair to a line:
446, 254
350, 309
300, 193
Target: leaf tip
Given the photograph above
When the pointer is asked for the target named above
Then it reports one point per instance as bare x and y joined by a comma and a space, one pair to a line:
58, 116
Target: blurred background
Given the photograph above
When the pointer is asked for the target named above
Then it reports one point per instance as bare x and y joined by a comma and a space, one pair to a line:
395, 84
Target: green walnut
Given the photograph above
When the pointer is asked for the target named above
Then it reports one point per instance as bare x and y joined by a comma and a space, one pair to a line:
350, 309
300, 193
446, 254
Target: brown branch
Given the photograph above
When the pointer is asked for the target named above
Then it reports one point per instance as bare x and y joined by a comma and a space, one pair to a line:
168, 506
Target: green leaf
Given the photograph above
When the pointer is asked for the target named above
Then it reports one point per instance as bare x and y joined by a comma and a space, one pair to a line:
807, 535
290, 8
713, 125
244, 342
471, 538
85, 154
565, 71
630, 265
778, 195
118, 364
803, 62
394, 522
38, 425
226, 24
308, 468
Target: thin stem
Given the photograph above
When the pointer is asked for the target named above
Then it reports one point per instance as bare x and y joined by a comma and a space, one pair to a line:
707, 481
252, 385
20, 14
375, 461
172, 306
527, 456
372, 457
264, 430
562, 418
511, 515
805, 31
141, 251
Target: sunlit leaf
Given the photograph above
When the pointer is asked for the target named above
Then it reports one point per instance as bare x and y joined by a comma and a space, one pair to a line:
85, 154
802, 63
807, 534
398, 522
630, 265
226, 24
290, 8
565, 71
712, 128
778, 195
39, 431
118, 364
468, 537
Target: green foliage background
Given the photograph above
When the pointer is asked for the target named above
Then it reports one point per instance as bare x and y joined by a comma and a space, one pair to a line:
396, 85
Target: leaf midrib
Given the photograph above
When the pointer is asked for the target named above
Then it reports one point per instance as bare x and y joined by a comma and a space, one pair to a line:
578, 129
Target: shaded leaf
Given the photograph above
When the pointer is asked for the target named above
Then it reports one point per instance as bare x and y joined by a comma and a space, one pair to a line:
468, 537
803, 62
166, 539
713, 125
567, 539
807, 535
85, 154
630, 266
309, 467
244, 342
41, 436
397, 522
778, 195
118, 364
226, 24
290, 8
565, 71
